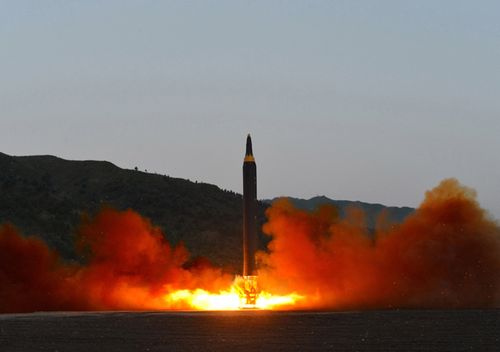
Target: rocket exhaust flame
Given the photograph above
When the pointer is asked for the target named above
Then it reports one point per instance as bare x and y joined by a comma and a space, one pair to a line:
233, 298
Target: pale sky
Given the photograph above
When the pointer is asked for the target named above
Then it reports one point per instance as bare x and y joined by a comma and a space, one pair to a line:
360, 100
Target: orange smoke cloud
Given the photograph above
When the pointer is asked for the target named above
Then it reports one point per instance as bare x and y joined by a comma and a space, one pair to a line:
129, 265
446, 254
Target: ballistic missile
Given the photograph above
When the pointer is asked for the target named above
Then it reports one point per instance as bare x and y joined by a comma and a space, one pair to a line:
249, 210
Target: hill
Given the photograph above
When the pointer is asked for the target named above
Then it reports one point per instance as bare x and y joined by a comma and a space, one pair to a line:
47, 196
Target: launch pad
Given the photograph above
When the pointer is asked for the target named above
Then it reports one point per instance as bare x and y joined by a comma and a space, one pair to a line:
248, 291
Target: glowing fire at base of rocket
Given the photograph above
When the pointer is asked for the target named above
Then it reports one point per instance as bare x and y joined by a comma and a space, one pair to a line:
248, 290
243, 294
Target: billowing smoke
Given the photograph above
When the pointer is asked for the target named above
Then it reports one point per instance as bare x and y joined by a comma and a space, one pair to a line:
445, 255
129, 265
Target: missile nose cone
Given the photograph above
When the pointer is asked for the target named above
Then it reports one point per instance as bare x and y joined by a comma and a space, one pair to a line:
249, 146
249, 153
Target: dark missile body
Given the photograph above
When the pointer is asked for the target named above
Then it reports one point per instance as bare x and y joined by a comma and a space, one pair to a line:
249, 210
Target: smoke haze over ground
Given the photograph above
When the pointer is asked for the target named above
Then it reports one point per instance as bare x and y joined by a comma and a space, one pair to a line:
446, 255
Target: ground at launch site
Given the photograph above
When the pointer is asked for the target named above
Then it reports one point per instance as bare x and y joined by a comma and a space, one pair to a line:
410, 330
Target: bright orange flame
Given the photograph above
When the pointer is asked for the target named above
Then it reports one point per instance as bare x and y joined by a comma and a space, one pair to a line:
230, 299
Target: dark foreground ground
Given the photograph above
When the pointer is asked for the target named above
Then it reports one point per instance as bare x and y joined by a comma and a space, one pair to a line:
415, 330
